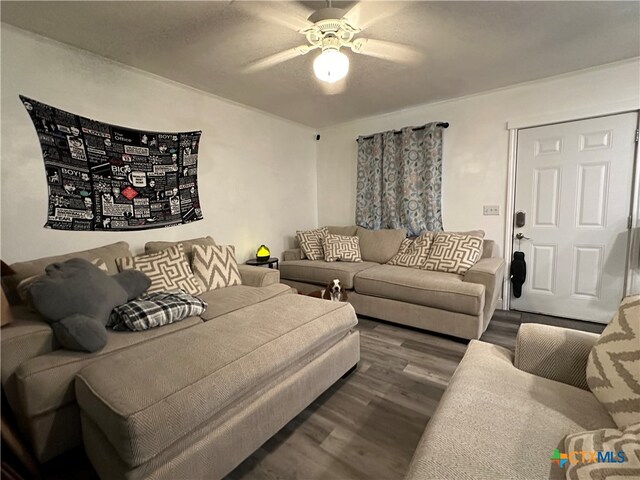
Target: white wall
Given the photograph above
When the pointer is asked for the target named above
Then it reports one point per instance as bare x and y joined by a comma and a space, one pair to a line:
257, 172
476, 142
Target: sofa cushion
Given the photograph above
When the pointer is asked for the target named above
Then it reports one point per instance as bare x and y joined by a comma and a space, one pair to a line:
107, 253
497, 422
167, 270
27, 337
446, 291
613, 368
453, 253
349, 230
45, 383
230, 299
321, 273
215, 266
380, 245
156, 247
342, 248
145, 400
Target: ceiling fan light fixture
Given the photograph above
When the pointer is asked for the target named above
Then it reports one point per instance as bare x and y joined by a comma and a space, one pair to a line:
331, 65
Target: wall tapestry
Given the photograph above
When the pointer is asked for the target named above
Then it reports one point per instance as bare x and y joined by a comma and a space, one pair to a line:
109, 178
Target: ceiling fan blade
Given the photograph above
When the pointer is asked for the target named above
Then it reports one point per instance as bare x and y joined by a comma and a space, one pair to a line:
394, 52
290, 15
277, 58
364, 14
336, 88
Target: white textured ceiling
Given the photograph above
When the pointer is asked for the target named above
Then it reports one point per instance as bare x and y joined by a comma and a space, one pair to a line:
467, 47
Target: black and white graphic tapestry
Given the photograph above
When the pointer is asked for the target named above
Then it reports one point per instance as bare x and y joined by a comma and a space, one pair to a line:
105, 177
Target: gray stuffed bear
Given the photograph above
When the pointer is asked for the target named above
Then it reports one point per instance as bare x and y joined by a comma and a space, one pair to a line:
76, 297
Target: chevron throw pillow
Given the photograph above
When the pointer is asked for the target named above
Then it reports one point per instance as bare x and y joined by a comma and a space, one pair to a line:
311, 243
613, 368
606, 440
215, 266
168, 270
413, 253
341, 248
453, 253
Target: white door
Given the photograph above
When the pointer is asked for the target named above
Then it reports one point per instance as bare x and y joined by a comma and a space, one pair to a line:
573, 182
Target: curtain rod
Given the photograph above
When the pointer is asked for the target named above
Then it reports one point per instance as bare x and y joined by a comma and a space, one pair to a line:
441, 125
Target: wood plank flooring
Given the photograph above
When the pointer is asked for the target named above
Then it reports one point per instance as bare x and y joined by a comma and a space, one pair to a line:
368, 425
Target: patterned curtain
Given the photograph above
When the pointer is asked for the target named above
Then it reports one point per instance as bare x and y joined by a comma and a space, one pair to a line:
400, 180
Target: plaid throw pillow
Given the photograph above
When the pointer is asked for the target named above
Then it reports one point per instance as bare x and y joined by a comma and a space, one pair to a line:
341, 247
215, 266
413, 253
311, 243
453, 253
154, 310
168, 270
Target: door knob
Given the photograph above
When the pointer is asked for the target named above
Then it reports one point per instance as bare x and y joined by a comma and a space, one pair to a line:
521, 236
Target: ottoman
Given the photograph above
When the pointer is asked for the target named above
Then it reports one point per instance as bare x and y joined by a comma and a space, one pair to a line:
196, 403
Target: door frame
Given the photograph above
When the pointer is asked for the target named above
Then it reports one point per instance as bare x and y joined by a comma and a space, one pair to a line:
514, 126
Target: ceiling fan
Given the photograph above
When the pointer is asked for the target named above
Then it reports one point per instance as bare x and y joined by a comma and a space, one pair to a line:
331, 29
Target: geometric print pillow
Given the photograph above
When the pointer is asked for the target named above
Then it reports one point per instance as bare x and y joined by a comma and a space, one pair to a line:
626, 443
341, 248
168, 270
405, 245
454, 253
613, 368
413, 253
311, 243
215, 266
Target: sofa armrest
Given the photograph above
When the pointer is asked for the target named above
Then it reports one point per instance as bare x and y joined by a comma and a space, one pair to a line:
490, 273
258, 276
491, 267
555, 353
293, 254
26, 337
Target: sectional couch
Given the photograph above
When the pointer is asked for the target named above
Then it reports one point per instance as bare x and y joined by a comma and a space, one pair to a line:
189, 399
458, 305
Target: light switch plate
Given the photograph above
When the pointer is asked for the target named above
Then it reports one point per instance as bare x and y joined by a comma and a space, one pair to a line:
491, 210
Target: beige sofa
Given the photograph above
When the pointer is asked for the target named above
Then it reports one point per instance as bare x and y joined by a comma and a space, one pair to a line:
458, 305
502, 415
196, 403
38, 376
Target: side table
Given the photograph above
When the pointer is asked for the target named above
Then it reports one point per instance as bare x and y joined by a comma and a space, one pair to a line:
273, 261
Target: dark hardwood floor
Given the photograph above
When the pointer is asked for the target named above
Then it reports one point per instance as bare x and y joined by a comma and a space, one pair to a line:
367, 425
